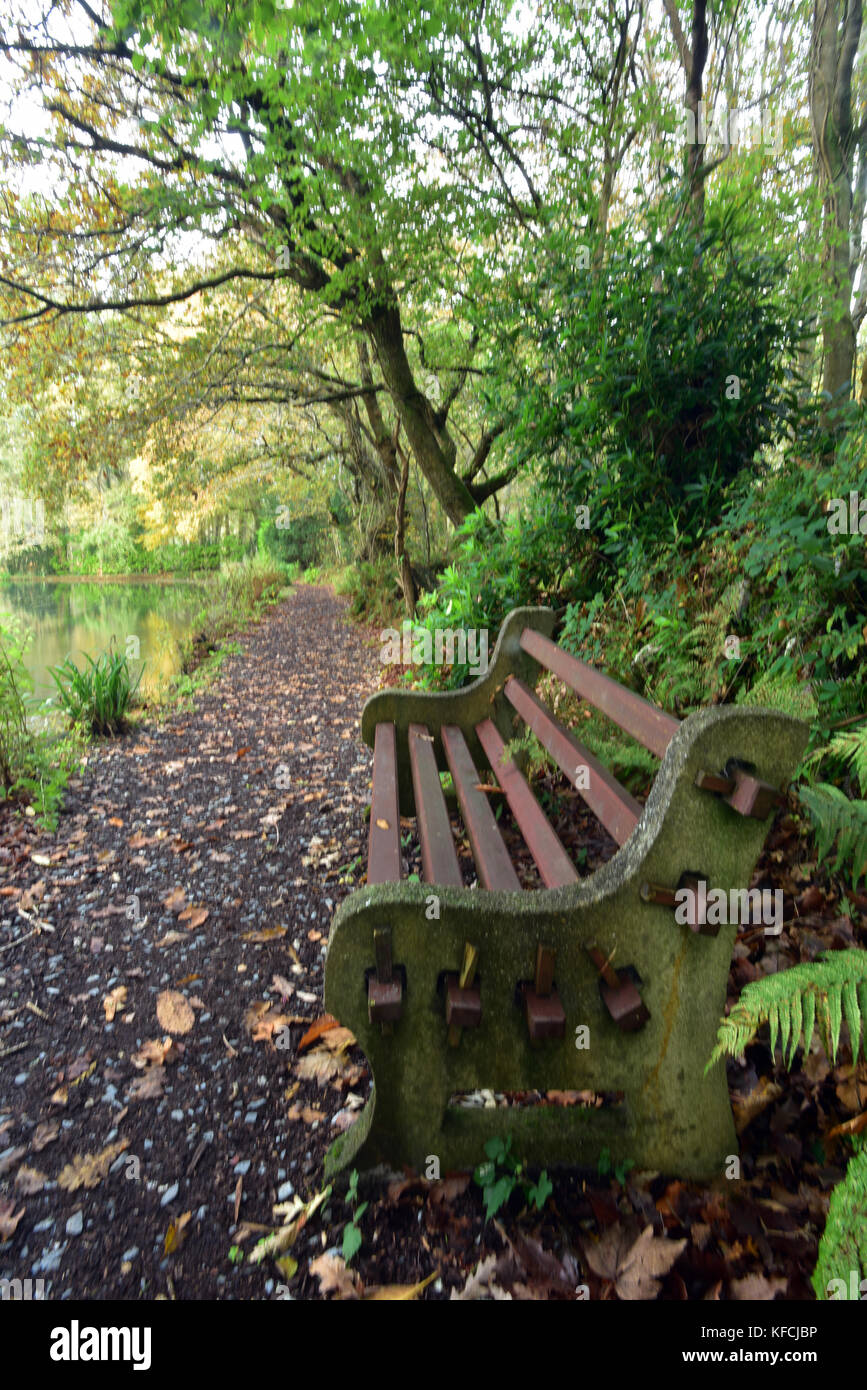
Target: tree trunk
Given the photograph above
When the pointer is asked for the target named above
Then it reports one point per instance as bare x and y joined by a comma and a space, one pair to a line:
836, 32
400, 553
434, 452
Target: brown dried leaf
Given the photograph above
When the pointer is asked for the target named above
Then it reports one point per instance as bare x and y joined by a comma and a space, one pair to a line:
174, 1012
9, 1218
89, 1170
176, 901
194, 917
334, 1277
756, 1288
113, 1001
747, 1107
11, 1158
30, 1180
45, 1134
264, 934
148, 1086
157, 1052
633, 1266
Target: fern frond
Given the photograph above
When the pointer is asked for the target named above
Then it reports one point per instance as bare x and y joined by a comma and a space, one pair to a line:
827, 991
835, 817
843, 1247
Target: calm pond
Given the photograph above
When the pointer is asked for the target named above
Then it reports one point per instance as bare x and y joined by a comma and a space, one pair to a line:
145, 616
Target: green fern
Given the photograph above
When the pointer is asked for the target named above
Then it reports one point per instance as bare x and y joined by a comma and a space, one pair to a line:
843, 1247
782, 693
847, 749
823, 993
835, 817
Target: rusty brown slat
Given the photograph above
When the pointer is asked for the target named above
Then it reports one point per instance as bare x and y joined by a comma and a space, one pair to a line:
552, 861
438, 857
383, 847
644, 721
608, 800
491, 856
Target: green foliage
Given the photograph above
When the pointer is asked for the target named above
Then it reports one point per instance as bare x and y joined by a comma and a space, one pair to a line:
606, 1165
300, 541
843, 1247
819, 993
352, 1237
836, 818
34, 765
502, 1173
15, 684
661, 378
99, 697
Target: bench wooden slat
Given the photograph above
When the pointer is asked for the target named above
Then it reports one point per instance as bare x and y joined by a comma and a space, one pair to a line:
645, 722
438, 857
610, 802
383, 847
543, 842
490, 853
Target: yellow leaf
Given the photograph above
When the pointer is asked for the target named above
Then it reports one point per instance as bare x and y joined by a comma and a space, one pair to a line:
383, 824
175, 1234
397, 1293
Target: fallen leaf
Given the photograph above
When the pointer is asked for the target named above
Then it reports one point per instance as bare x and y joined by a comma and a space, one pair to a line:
174, 1012
44, 860
633, 1265
30, 1180
316, 1029
447, 1189
194, 917
148, 1086
334, 1277
747, 1106
319, 1066
282, 985
115, 820
287, 1266
176, 1233
114, 1001
383, 824
397, 1293
9, 1218
157, 1052
60, 1096
89, 1170
176, 901
171, 937
307, 1113
264, 934
45, 1134
756, 1288
9, 1159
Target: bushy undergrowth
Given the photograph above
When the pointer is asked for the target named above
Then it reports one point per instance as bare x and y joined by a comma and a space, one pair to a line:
35, 765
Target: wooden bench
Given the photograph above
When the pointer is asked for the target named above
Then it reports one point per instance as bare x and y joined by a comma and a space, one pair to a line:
595, 985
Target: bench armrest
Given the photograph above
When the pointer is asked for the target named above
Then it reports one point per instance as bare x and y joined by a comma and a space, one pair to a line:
480, 700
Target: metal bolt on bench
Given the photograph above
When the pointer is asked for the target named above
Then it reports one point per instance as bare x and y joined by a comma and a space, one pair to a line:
651, 1024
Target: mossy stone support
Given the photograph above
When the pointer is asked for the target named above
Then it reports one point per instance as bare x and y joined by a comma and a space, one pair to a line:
673, 1117
482, 699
